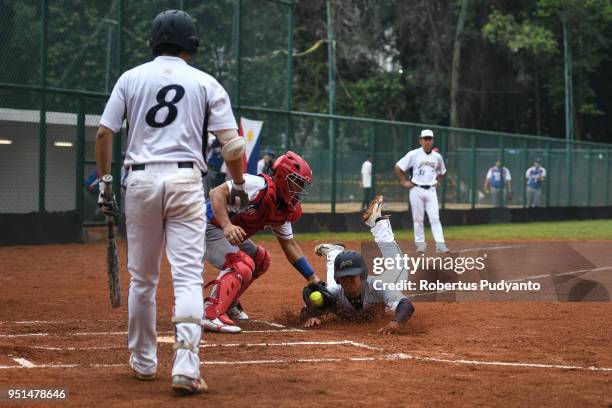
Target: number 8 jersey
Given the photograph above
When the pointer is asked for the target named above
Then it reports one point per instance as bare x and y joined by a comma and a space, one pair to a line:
165, 103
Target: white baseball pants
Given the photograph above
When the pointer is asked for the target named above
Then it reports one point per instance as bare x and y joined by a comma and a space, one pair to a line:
165, 204
422, 200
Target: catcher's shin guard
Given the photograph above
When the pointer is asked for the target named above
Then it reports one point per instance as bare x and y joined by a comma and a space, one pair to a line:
262, 261
237, 272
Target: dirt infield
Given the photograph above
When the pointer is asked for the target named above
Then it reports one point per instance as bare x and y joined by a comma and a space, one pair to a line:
57, 330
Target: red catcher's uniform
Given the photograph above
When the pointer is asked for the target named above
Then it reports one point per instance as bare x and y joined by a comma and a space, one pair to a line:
264, 211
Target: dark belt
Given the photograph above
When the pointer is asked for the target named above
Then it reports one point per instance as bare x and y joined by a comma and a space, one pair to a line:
425, 187
181, 165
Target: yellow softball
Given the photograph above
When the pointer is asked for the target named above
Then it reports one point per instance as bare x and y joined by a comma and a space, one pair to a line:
316, 299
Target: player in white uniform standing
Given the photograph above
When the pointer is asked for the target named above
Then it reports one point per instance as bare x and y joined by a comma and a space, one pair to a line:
168, 105
427, 170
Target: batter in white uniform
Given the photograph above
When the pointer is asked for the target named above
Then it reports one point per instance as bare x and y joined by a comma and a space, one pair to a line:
168, 105
427, 170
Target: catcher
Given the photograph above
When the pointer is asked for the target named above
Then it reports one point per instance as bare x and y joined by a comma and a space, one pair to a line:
274, 202
351, 293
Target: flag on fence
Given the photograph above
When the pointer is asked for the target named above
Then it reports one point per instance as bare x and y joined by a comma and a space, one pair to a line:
250, 130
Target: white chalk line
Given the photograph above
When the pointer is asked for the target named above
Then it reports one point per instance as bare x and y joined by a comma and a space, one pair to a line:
536, 277
25, 364
203, 344
272, 331
51, 321
281, 329
280, 326
402, 356
493, 248
73, 348
24, 335
273, 324
124, 333
602, 268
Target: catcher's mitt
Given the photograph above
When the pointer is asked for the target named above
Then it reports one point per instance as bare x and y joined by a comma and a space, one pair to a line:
329, 303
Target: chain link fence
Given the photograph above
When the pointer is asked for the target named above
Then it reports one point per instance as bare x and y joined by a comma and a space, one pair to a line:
578, 173
60, 59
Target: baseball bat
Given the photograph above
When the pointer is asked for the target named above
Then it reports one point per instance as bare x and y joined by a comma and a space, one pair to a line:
112, 259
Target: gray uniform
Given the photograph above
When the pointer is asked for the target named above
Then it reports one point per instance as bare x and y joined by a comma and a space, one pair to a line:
372, 299
217, 246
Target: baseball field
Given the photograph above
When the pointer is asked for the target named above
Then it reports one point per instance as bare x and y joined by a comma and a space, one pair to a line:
58, 331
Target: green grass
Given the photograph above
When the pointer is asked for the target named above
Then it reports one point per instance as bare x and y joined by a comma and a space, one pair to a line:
546, 231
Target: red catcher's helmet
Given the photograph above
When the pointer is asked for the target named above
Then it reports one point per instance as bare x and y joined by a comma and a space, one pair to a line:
293, 177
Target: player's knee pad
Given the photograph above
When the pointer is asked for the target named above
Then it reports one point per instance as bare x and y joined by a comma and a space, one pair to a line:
262, 261
237, 273
241, 263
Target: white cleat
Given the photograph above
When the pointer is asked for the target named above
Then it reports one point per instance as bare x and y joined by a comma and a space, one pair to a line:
184, 385
421, 247
237, 313
219, 326
441, 248
373, 212
324, 249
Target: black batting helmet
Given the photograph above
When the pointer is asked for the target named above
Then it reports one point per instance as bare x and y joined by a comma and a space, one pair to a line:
349, 263
174, 27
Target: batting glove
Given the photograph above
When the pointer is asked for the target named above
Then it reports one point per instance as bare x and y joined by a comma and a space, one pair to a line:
107, 202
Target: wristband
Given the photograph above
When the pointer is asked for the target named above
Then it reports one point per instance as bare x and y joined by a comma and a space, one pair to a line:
239, 186
304, 267
403, 311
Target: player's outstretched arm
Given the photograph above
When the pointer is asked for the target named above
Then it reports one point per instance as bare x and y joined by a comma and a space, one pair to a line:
295, 255
219, 198
403, 312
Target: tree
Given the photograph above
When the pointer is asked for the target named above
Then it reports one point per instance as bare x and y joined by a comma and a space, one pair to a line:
454, 114
538, 38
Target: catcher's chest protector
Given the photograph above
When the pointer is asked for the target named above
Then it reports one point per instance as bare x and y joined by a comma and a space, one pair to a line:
263, 211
